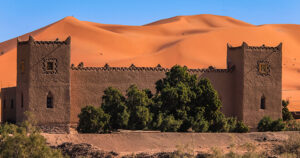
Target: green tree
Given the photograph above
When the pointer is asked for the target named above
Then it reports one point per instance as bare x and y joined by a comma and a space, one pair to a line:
114, 104
190, 100
286, 114
174, 95
170, 124
209, 99
93, 120
24, 141
138, 105
182, 102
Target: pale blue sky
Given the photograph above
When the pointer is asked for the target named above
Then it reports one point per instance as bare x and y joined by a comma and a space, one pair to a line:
18, 17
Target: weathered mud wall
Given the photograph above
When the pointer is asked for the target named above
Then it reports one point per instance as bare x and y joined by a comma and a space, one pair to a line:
8, 96
88, 84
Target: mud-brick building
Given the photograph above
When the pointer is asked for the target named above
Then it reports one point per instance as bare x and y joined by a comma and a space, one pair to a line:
54, 91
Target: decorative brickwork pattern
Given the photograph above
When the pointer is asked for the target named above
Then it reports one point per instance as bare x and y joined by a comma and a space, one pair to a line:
132, 67
50, 65
263, 68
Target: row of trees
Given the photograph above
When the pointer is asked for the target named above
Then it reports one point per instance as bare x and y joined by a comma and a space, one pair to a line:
182, 102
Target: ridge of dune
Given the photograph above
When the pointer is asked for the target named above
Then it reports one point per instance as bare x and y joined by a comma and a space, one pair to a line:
206, 20
196, 41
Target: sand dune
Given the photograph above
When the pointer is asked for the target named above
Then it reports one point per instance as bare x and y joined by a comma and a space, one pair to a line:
196, 41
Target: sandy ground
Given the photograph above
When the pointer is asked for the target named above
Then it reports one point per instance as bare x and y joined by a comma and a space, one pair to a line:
196, 41
137, 142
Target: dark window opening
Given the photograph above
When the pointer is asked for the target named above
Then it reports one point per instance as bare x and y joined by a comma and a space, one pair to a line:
11, 104
263, 103
4, 104
49, 100
22, 100
50, 65
22, 66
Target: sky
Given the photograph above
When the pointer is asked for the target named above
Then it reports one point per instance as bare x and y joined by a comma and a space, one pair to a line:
18, 17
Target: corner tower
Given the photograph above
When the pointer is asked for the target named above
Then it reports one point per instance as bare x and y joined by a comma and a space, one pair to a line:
43, 81
258, 82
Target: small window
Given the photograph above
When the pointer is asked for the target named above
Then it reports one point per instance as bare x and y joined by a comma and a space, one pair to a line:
49, 100
12, 104
22, 66
22, 100
263, 68
50, 65
4, 104
263, 102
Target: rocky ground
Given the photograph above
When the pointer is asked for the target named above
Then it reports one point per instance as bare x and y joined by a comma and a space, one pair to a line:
156, 144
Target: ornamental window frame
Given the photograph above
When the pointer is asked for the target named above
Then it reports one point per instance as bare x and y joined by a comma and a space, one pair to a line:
263, 68
50, 66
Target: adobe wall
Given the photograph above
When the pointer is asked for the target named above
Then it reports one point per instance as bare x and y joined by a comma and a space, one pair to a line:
88, 84
8, 96
257, 85
1, 112
223, 83
36, 82
23, 51
235, 57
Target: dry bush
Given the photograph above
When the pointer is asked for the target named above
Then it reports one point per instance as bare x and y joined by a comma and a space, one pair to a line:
293, 125
251, 153
183, 151
291, 146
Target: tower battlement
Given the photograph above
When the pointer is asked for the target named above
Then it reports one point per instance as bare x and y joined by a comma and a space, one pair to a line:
262, 47
31, 40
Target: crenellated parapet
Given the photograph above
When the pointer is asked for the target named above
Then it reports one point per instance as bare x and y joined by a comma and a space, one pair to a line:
263, 47
31, 40
132, 67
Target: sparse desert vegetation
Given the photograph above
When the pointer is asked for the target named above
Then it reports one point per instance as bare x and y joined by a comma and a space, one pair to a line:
24, 141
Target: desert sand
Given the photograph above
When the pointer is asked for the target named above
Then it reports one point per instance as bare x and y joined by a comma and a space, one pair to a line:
195, 41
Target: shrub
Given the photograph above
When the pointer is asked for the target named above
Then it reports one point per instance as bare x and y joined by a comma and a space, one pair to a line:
241, 127
235, 125
277, 125
264, 124
114, 104
93, 120
182, 152
231, 122
24, 141
291, 146
286, 114
267, 124
292, 125
219, 124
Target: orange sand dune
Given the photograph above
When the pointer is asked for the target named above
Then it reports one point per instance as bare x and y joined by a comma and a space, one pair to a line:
196, 41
